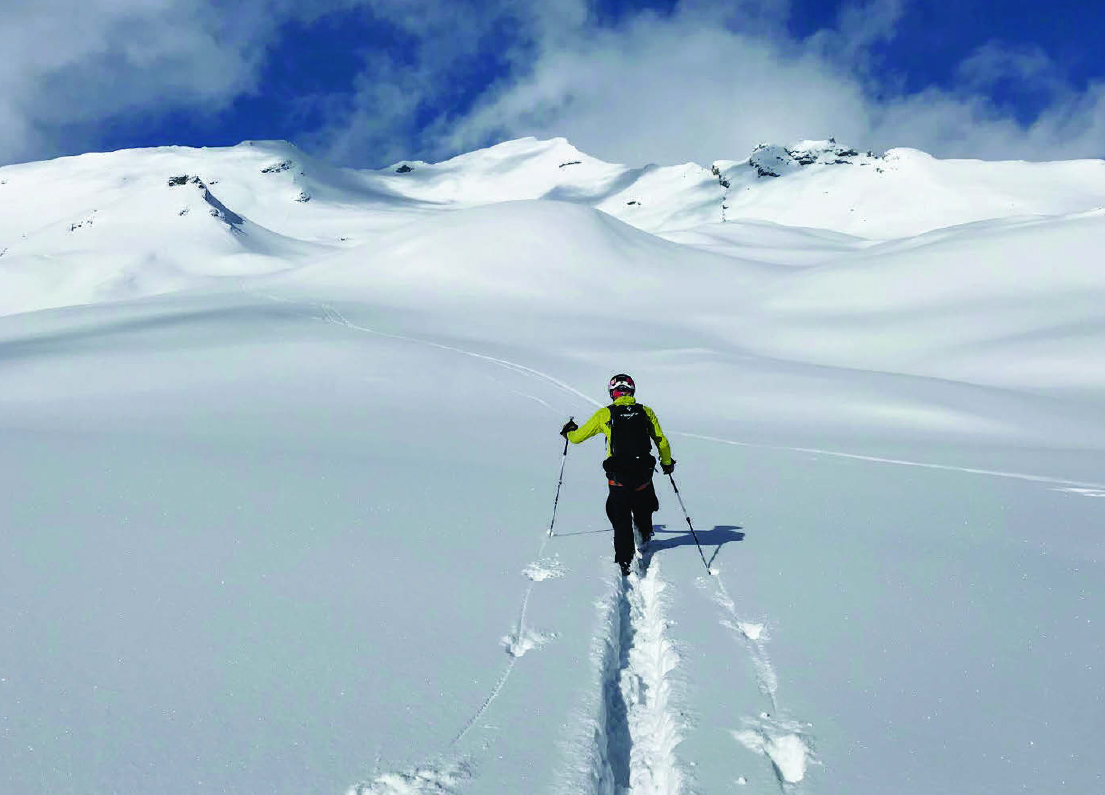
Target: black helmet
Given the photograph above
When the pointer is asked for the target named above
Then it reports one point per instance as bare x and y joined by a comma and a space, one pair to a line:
621, 384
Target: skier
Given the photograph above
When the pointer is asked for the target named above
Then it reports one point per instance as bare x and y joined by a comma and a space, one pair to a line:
630, 428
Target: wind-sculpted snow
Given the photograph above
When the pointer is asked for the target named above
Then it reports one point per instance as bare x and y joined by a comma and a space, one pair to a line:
104, 227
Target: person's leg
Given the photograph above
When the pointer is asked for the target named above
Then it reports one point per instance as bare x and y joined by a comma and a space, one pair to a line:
619, 509
644, 505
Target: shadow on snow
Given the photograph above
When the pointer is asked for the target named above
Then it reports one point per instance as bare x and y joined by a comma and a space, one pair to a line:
717, 537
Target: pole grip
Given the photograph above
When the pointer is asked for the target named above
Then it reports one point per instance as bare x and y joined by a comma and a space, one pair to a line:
570, 419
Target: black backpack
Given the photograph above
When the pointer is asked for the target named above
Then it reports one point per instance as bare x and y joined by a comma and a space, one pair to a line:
630, 462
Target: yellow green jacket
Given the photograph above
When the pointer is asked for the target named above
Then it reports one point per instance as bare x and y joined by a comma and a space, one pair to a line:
600, 422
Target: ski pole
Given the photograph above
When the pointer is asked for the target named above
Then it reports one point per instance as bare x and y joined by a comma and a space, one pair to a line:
709, 571
563, 461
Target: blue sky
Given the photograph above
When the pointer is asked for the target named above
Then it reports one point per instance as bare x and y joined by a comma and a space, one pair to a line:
370, 82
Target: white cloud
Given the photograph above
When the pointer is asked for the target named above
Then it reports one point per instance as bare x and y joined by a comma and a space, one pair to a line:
680, 88
668, 90
73, 62
383, 120
994, 62
706, 82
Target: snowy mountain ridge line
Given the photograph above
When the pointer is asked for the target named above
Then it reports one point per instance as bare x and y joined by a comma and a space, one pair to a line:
259, 179
126, 224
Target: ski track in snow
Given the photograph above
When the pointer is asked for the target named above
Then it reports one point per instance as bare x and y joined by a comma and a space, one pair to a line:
785, 743
334, 316
638, 727
522, 640
637, 730
1080, 487
1083, 492
517, 644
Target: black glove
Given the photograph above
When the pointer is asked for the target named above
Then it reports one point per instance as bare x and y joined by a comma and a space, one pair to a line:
569, 426
668, 468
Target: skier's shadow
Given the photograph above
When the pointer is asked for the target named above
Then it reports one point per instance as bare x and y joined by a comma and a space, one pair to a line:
717, 537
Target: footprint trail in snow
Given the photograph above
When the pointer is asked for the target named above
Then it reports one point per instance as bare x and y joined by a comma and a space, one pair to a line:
638, 726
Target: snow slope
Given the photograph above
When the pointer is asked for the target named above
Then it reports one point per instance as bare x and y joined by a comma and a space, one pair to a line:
278, 521
132, 223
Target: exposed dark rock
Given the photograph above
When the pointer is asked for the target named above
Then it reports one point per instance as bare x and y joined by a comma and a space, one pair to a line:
571, 163
769, 160
223, 213
632, 202
283, 165
774, 161
178, 180
86, 222
404, 169
303, 197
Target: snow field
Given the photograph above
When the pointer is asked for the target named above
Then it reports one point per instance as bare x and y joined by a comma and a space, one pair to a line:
286, 518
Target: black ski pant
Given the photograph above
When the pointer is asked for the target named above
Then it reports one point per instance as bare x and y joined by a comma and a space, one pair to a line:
628, 506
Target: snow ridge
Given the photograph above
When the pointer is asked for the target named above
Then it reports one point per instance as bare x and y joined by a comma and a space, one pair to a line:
638, 728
